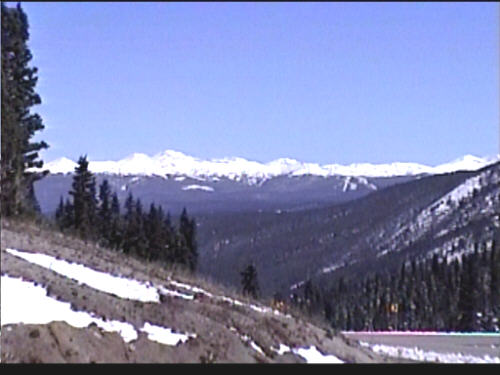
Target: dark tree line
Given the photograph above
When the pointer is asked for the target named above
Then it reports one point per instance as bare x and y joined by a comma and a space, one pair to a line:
19, 151
96, 214
459, 295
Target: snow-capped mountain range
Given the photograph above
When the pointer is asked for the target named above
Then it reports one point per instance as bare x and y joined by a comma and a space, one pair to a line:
173, 163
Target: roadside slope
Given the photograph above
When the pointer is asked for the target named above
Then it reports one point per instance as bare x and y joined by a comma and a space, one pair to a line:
219, 325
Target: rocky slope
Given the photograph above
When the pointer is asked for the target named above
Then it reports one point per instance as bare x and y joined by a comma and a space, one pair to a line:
221, 326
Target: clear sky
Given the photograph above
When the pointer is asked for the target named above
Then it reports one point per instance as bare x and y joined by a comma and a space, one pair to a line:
318, 82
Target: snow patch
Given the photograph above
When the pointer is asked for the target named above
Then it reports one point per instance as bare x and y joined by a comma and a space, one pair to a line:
247, 339
198, 187
332, 267
104, 282
26, 303
23, 302
418, 354
311, 354
458, 194
174, 293
165, 335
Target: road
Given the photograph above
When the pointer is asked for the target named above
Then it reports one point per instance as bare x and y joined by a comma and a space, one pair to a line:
475, 344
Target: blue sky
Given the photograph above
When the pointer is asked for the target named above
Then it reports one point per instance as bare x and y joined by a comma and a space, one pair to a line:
318, 82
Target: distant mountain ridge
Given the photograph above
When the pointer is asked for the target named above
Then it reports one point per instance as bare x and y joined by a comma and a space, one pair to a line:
173, 163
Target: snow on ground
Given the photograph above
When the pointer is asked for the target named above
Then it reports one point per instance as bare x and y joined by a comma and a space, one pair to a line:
165, 335
333, 267
232, 301
198, 187
311, 354
26, 303
174, 293
23, 302
418, 354
118, 286
104, 282
349, 185
247, 339
459, 193
191, 288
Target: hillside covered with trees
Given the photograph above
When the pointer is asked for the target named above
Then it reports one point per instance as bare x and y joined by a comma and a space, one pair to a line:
147, 234
462, 294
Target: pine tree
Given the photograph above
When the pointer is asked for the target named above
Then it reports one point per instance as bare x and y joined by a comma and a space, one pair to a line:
68, 218
153, 230
84, 199
130, 226
59, 215
141, 240
249, 281
167, 254
187, 230
116, 230
19, 154
466, 302
495, 282
104, 213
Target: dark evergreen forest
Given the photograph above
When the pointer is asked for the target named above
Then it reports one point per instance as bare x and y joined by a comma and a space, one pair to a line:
461, 294
148, 234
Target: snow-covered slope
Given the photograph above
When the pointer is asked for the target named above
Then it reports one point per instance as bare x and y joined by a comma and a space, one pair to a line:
174, 163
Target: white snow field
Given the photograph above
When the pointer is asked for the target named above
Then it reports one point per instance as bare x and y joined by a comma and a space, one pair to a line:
26, 303
311, 354
23, 302
104, 282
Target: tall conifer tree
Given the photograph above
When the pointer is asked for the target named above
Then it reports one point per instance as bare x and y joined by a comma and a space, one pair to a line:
84, 199
104, 212
19, 153
249, 281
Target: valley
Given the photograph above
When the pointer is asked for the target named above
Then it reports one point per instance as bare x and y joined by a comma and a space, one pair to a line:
295, 228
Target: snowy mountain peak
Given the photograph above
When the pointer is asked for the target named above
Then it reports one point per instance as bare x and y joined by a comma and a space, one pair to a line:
61, 165
175, 163
465, 163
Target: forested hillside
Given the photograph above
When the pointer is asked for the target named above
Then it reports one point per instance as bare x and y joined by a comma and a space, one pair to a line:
457, 295
379, 231
147, 234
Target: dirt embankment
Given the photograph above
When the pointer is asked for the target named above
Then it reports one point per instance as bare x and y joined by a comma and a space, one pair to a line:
224, 331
